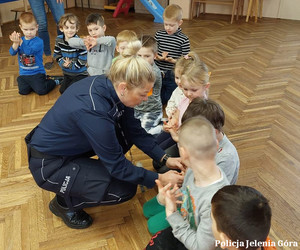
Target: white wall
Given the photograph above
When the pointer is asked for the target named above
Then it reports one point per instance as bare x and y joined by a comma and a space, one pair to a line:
285, 9
289, 9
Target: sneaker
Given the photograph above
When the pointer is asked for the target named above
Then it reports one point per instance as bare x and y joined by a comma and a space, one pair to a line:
57, 79
77, 220
57, 82
49, 63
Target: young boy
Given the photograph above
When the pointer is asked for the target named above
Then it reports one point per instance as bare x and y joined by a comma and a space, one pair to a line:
192, 224
233, 206
123, 38
30, 54
150, 112
172, 44
72, 61
101, 48
227, 157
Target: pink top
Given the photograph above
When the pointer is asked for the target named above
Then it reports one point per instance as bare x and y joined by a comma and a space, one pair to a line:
182, 108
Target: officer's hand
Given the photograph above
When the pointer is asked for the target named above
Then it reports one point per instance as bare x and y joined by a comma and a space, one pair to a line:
172, 177
175, 163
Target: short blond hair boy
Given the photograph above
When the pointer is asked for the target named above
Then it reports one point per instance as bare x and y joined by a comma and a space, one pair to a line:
123, 38
173, 12
172, 44
30, 58
27, 17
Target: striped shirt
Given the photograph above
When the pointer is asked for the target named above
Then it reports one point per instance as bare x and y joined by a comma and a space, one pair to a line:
176, 45
78, 57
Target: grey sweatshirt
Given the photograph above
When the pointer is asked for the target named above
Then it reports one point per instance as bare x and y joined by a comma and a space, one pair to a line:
193, 226
153, 104
99, 58
228, 160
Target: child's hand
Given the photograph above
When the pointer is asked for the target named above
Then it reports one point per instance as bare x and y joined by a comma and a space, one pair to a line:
173, 122
171, 200
163, 56
162, 191
67, 62
15, 37
174, 134
170, 59
90, 42
166, 126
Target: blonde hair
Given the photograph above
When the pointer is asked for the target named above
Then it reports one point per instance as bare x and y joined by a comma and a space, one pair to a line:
126, 36
173, 12
186, 61
68, 17
198, 137
195, 73
27, 17
132, 69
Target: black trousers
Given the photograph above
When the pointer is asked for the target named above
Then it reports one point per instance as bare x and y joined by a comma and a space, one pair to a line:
69, 80
80, 180
37, 83
168, 86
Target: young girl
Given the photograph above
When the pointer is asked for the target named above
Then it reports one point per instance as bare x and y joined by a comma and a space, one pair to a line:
192, 82
192, 78
177, 95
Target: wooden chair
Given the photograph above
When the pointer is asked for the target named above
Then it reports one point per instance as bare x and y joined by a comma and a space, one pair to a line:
253, 7
237, 6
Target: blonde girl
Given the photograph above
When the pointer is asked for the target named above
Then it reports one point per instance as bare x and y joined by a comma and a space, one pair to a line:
192, 78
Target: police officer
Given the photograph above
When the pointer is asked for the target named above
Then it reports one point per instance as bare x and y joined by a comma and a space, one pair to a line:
95, 117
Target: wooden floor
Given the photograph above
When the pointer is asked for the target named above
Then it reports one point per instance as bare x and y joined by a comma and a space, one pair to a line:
255, 77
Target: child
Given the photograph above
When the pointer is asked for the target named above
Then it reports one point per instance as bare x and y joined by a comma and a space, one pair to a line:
192, 224
227, 157
242, 216
30, 54
150, 112
194, 81
172, 44
123, 38
101, 48
72, 61
177, 95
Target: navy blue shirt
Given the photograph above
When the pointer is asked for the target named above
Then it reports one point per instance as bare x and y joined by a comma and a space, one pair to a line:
84, 119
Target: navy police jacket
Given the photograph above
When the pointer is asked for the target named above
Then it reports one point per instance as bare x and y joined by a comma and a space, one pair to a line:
84, 119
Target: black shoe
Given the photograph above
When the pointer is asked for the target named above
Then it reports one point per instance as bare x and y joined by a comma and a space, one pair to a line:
48, 65
77, 220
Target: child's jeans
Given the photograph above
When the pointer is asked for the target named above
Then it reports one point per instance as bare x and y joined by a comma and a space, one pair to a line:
37, 83
168, 86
